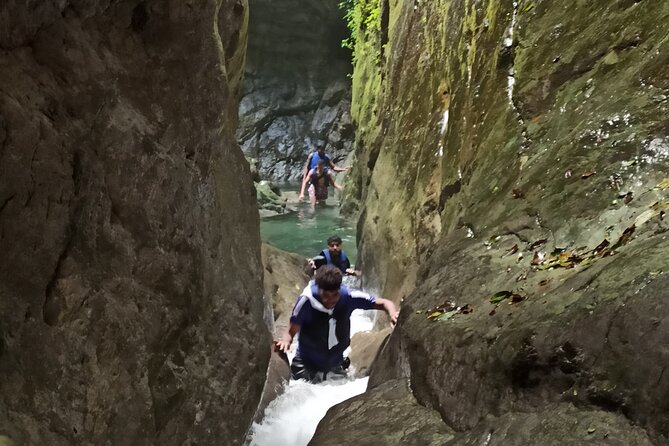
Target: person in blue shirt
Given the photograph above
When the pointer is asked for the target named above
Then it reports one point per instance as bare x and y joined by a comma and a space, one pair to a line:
322, 317
333, 255
319, 154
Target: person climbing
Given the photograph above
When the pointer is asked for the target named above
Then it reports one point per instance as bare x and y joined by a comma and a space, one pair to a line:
322, 317
321, 179
319, 154
333, 255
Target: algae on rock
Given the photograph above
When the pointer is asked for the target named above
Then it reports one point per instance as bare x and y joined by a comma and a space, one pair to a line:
483, 128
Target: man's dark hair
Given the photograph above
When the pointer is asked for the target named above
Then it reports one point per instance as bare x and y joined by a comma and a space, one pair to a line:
328, 278
320, 145
334, 239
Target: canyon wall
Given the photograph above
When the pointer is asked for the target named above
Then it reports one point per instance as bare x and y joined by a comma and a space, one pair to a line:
130, 281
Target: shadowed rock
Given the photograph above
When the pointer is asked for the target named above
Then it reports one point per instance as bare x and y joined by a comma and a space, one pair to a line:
130, 279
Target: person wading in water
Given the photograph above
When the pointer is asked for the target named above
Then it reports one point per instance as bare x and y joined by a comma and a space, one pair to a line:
322, 317
321, 179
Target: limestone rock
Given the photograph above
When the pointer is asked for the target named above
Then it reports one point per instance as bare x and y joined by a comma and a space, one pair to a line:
387, 415
285, 279
296, 90
130, 292
492, 135
365, 348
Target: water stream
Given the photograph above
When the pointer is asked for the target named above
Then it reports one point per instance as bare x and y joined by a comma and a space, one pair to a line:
304, 232
292, 418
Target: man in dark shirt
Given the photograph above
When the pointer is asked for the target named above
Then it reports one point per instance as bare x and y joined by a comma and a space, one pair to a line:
334, 255
322, 317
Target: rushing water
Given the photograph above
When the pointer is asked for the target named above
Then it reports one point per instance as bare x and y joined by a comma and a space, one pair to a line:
291, 419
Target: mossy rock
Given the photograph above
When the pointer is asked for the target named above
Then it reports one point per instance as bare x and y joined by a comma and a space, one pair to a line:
267, 198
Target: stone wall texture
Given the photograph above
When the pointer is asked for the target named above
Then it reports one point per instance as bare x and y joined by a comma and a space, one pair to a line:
296, 90
130, 277
520, 147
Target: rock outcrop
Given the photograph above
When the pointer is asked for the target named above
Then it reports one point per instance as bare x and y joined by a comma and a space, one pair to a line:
130, 284
513, 157
284, 279
296, 90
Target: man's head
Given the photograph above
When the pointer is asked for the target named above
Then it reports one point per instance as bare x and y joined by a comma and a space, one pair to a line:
320, 148
334, 244
320, 165
328, 280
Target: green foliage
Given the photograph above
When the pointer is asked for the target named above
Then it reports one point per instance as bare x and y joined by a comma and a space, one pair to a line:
363, 18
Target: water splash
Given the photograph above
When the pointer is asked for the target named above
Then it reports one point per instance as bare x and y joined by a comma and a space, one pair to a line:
292, 418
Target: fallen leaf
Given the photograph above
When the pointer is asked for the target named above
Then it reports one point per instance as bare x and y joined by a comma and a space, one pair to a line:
588, 174
544, 282
536, 244
515, 298
521, 277
446, 316
629, 196
517, 193
591, 430
538, 258
511, 251
500, 296
599, 250
435, 314
568, 173
492, 312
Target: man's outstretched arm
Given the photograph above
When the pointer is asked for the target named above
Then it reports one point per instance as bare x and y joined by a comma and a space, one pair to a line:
389, 307
283, 344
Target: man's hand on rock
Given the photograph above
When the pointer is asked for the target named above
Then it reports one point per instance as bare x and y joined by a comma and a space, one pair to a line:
281, 346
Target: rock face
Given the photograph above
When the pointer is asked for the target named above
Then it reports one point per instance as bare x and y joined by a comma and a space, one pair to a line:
296, 89
519, 147
130, 284
284, 278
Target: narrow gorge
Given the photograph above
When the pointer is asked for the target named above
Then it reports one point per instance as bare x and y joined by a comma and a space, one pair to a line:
509, 186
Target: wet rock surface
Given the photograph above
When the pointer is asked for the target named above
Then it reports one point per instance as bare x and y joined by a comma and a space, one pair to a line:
526, 155
296, 91
130, 292
373, 419
284, 279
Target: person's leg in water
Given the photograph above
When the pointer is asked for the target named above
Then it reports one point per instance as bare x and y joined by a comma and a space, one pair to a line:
312, 195
299, 369
340, 369
321, 195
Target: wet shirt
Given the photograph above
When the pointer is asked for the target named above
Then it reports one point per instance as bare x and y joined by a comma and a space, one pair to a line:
326, 333
336, 260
